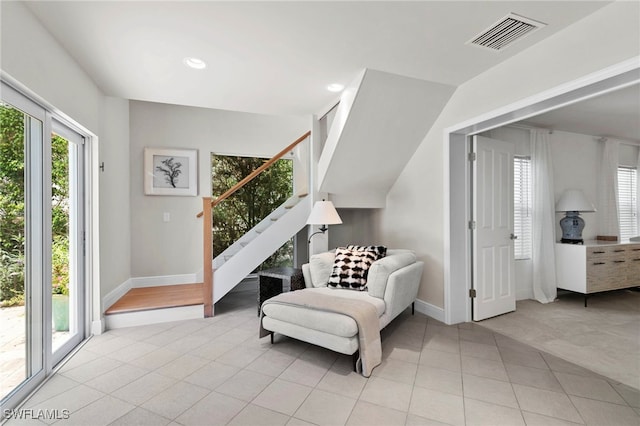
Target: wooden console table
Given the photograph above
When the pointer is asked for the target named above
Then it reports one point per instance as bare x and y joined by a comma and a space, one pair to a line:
278, 280
597, 266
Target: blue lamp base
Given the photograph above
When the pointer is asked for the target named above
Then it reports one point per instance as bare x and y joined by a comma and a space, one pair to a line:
572, 225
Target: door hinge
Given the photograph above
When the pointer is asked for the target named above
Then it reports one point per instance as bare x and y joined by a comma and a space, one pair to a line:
472, 293
472, 224
472, 156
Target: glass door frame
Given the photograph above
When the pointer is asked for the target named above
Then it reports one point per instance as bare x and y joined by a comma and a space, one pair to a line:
36, 317
77, 299
40, 361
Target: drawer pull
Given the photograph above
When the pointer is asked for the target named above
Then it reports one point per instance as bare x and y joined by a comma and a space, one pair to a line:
636, 260
638, 249
618, 261
618, 251
598, 263
598, 252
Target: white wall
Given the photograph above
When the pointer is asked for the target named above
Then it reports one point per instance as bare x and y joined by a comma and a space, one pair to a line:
30, 55
576, 165
359, 226
172, 248
115, 229
414, 217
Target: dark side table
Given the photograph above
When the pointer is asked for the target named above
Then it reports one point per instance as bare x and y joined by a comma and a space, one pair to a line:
278, 280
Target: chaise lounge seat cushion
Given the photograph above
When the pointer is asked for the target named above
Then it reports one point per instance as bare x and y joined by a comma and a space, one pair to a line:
327, 322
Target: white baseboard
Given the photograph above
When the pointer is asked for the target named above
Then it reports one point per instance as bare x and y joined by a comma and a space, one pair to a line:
430, 310
98, 327
114, 295
155, 316
163, 280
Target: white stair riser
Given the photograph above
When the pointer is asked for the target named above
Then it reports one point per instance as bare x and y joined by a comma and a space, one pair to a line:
153, 316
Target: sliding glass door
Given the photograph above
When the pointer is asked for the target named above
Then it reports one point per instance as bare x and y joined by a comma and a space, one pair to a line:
41, 244
67, 242
22, 255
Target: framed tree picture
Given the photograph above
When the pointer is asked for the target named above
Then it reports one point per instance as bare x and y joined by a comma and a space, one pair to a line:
170, 171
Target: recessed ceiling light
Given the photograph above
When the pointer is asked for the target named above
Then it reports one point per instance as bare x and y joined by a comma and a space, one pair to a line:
335, 87
194, 63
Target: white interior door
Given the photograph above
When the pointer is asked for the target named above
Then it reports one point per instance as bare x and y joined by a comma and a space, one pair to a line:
493, 255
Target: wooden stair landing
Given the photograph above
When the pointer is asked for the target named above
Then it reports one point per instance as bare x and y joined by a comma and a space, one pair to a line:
160, 297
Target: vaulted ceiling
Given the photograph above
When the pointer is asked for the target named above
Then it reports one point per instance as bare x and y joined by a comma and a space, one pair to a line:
278, 57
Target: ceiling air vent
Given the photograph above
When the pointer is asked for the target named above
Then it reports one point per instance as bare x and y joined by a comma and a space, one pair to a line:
504, 32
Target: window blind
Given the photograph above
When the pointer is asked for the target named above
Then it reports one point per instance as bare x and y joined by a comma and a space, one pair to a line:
522, 206
628, 208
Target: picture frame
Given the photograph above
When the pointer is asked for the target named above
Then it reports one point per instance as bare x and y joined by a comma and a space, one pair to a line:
170, 171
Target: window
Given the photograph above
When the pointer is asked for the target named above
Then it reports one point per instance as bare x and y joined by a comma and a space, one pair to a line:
628, 208
522, 206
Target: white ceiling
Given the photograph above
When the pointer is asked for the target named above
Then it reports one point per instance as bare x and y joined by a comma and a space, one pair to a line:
278, 57
615, 115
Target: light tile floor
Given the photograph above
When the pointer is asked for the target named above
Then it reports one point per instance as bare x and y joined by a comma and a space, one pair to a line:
216, 371
603, 337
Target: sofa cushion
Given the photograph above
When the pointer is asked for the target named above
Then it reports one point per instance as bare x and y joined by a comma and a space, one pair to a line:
351, 266
381, 269
327, 322
320, 267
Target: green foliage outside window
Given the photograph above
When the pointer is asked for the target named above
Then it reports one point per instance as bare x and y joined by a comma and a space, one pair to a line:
12, 209
246, 208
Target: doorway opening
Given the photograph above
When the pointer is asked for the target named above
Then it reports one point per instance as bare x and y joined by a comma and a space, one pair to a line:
458, 268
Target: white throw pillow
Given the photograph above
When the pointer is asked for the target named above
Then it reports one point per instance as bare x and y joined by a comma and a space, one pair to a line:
320, 267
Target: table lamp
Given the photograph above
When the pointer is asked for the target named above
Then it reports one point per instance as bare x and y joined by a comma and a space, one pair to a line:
573, 201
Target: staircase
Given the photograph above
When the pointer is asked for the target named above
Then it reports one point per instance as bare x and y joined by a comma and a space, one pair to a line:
150, 305
245, 255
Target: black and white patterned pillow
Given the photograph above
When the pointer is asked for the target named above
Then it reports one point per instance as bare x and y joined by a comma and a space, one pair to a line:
351, 266
379, 251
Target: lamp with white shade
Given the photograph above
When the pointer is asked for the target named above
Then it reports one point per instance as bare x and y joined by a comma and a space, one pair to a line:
573, 202
323, 213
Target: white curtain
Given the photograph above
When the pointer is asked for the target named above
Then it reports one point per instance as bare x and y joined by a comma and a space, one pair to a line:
543, 218
608, 219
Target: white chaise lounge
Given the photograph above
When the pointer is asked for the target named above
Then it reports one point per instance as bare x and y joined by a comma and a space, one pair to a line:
392, 286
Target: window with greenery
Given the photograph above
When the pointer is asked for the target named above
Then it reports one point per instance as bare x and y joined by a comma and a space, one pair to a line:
628, 207
256, 200
522, 193
12, 203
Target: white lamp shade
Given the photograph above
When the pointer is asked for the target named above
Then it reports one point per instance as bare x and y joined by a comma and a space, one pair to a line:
324, 213
574, 200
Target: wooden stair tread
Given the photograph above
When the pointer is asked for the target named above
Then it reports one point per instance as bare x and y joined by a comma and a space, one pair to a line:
149, 298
